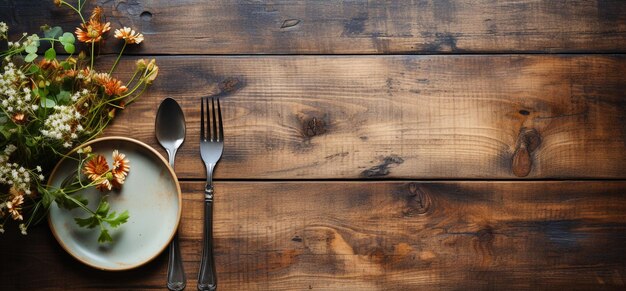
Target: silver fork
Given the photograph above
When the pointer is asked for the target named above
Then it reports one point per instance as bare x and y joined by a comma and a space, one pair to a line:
211, 148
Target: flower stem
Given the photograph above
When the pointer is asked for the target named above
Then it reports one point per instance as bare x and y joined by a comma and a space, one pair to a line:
118, 58
74, 8
80, 204
92, 57
132, 78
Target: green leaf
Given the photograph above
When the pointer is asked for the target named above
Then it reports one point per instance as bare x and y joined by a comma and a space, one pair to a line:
103, 207
63, 97
69, 48
31, 49
53, 32
104, 236
82, 199
51, 54
5, 132
30, 141
30, 57
117, 221
6, 128
47, 102
68, 204
67, 38
89, 222
46, 197
66, 65
41, 92
33, 69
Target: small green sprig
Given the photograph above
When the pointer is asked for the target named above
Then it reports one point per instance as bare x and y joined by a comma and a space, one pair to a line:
102, 216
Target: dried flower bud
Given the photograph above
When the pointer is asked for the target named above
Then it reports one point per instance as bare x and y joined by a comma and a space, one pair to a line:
84, 150
152, 75
141, 64
57, 3
151, 64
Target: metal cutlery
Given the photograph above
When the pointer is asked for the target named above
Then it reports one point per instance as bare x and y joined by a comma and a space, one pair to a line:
211, 148
170, 132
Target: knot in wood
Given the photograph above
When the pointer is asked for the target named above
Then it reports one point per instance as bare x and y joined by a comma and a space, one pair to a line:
530, 137
418, 201
528, 141
314, 126
229, 85
485, 235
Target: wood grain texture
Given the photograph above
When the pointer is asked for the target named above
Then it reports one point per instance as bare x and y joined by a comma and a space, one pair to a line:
374, 236
350, 27
415, 117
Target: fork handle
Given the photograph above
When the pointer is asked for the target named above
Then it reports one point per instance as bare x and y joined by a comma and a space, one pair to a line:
207, 278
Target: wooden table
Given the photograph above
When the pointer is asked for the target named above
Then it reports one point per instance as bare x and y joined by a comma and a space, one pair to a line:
378, 146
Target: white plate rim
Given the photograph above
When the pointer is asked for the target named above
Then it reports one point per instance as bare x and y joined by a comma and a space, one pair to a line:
167, 166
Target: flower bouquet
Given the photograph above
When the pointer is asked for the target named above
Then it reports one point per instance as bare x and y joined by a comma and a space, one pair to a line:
52, 103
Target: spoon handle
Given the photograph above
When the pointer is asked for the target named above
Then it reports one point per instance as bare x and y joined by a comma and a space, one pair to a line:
176, 279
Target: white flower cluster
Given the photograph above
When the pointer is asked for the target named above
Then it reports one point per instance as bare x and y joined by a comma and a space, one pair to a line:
15, 175
4, 29
14, 98
32, 39
63, 125
79, 95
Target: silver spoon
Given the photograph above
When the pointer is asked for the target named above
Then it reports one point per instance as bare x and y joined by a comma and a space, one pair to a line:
170, 132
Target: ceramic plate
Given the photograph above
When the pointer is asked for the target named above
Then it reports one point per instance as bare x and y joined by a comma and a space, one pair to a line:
151, 194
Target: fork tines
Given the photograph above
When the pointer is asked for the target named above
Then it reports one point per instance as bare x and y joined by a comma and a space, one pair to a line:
217, 132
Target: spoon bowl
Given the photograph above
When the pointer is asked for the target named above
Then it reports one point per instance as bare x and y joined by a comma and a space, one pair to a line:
170, 127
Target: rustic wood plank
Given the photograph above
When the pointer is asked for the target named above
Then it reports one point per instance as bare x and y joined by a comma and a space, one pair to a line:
351, 27
374, 236
416, 117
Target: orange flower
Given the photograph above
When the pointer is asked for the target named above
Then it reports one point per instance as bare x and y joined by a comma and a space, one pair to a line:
102, 78
46, 64
92, 31
96, 169
71, 73
121, 167
115, 87
14, 207
18, 118
85, 74
129, 35
111, 85
96, 14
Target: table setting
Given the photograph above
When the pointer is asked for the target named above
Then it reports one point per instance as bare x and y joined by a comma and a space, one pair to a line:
296, 145
58, 107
